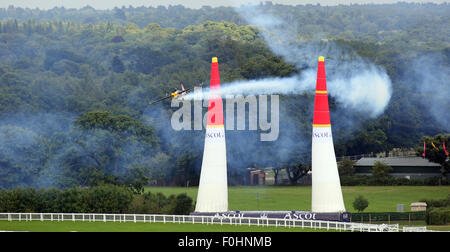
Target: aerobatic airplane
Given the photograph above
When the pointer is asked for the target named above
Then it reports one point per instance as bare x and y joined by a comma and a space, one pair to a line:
177, 94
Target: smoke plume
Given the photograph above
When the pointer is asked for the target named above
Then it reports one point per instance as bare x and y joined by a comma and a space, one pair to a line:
432, 81
354, 82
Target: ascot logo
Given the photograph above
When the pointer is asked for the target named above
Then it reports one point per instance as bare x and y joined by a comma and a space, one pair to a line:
215, 134
322, 134
300, 216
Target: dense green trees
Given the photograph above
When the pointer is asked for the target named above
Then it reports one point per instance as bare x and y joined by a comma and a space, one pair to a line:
74, 94
436, 151
397, 24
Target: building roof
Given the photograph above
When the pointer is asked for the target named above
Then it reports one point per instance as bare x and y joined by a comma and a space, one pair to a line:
397, 161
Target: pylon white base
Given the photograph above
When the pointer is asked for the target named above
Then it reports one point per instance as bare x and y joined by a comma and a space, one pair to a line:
326, 186
213, 188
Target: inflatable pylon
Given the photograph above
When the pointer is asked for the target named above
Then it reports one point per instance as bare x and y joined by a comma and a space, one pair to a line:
326, 186
213, 188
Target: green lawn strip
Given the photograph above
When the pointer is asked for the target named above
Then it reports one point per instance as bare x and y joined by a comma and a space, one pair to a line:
78, 226
381, 198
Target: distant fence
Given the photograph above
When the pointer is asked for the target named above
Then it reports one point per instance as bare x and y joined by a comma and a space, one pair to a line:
388, 217
373, 155
355, 157
415, 229
420, 229
151, 218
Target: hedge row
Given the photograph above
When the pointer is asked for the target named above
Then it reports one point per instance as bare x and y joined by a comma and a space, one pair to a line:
438, 211
437, 202
388, 216
149, 203
99, 199
438, 216
362, 180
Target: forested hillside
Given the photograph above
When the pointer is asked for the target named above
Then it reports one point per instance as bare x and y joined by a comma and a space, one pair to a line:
75, 88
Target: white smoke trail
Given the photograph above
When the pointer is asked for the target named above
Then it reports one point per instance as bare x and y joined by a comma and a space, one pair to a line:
354, 82
289, 85
366, 92
369, 91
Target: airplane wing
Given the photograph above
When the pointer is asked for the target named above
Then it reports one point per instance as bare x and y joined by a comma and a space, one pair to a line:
175, 94
162, 99
186, 90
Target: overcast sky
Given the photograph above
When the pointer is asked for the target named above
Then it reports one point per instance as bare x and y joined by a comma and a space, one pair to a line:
110, 4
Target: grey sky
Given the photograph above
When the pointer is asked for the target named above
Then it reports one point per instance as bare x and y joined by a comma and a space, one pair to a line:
110, 4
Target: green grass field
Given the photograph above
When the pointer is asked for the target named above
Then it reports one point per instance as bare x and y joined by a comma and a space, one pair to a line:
381, 199
69, 226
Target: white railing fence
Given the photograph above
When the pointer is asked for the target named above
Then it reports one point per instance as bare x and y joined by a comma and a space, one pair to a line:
150, 218
415, 229
420, 229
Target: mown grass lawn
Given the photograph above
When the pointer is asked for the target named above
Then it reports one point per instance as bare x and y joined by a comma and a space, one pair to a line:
78, 226
381, 198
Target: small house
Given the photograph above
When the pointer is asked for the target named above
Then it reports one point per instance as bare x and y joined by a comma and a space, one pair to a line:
418, 206
256, 176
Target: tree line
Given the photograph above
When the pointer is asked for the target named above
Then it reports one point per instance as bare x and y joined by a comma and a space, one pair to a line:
96, 199
368, 22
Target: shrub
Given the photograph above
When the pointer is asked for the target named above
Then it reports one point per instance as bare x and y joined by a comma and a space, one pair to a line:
346, 167
356, 180
363, 180
360, 203
438, 216
183, 205
149, 203
437, 202
48, 199
107, 199
9, 201
381, 169
19, 200
71, 201
438, 211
